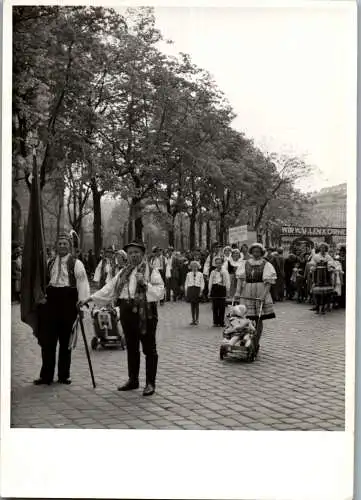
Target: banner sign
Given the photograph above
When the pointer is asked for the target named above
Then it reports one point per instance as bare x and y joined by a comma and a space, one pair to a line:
313, 231
237, 234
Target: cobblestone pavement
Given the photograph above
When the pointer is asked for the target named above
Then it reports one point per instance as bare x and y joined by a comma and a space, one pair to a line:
297, 382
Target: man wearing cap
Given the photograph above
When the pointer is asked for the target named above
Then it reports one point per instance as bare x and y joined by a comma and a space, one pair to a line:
67, 283
137, 288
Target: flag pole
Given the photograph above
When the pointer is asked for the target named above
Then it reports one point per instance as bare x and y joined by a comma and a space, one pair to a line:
81, 314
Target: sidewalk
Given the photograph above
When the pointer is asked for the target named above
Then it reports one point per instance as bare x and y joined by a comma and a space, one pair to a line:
297, 383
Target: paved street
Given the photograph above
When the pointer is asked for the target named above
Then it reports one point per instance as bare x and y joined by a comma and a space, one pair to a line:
297, 382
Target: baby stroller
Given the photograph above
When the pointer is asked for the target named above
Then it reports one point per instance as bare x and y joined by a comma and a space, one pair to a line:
105, 322
247, 346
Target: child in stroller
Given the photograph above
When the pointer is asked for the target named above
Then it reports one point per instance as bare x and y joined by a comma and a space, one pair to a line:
239, 330
105, 322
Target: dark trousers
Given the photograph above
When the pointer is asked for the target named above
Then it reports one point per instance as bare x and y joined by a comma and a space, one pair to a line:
130, 324
58, 319
219, 309
218, 296
168, 288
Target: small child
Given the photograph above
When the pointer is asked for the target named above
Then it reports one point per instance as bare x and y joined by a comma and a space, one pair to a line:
219, 287
193, 289
240, 328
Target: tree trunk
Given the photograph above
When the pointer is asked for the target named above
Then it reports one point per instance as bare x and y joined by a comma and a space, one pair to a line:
192, 231
181, 229
222, 229
171, 233
97, 219
130, 225
267, 239
200, 230
208, 234
136, 210
59, 217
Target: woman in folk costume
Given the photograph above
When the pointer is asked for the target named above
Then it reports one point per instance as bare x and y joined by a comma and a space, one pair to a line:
193, 289
67, 283
136, 288
231, 265
322, 267
106, 269
255, 277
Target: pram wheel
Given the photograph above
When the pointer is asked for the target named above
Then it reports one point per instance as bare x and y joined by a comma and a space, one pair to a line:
94, 343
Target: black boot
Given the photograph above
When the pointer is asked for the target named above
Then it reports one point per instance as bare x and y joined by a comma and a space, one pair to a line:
151, 365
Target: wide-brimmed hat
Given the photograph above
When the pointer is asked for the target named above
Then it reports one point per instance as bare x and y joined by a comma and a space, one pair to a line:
257, 245
136, 244
155, 249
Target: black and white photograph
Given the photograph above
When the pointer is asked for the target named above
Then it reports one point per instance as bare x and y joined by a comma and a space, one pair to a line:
181, 252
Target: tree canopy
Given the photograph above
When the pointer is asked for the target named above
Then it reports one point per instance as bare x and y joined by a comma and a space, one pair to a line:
110, 113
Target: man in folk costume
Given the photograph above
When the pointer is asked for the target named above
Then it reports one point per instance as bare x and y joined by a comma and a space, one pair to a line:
137, 288
106, 269
67, 284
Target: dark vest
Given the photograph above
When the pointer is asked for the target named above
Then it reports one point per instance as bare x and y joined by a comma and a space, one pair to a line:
254, 274
70, 265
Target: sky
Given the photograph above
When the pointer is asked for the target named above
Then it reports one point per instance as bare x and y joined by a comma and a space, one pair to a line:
289, 74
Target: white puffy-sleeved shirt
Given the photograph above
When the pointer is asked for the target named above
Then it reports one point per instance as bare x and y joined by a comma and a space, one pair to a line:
269, 272
107, 294
107, 270
59, 276
194, 279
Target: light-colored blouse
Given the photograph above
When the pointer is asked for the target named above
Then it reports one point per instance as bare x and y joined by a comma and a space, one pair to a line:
194, 279
59, 276
269, 272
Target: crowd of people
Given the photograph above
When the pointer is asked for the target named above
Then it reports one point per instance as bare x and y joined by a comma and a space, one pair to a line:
317, 276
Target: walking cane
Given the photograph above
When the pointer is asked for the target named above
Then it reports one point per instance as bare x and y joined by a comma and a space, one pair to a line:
80, 316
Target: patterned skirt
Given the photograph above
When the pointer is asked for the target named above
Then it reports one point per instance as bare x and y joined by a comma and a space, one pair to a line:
256, 291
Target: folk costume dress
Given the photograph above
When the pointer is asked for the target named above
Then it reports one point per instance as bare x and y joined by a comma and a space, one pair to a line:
138, 314
67, 284
322, 267
254, 274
